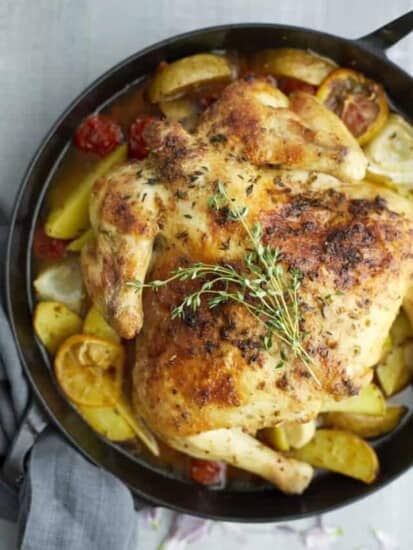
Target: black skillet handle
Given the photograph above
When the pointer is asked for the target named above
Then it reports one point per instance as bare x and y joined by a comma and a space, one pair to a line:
391, 33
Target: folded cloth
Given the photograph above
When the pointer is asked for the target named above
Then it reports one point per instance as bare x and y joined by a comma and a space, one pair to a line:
13, 386
65, 502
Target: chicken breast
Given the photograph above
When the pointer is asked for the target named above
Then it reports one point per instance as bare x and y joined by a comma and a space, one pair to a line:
205, 378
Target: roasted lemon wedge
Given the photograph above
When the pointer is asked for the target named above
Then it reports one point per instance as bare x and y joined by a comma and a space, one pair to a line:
390, 153
360, 102
62, 282
90, 370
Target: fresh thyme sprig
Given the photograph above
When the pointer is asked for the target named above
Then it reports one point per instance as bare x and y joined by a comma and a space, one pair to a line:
264, 287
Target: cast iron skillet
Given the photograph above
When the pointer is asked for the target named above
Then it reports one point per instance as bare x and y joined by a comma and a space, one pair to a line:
327, 492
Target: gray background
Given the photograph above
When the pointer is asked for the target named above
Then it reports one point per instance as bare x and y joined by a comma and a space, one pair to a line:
51, 49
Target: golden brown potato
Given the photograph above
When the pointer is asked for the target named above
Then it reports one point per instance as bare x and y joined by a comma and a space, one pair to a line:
276, 438
108, 422
364, 425
96, 325
401, 329
370, 401
77, 244
289, 435
294, 63
53, 323
387, 347
178, 109
341, 452
408, 355
299, 435
71, 218
174, 78
138, 426
393, 373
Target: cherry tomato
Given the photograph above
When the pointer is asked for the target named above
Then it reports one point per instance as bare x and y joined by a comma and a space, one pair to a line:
208, 472
288, 85
47, 248
137, 144
98, 134
359, 102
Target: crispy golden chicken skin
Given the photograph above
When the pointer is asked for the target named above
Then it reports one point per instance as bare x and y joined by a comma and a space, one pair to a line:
205, 378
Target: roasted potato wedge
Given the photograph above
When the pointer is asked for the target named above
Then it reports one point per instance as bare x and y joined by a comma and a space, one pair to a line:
78, 244
108, 422
276, 438
394, 374
62, 282
408, 303
53, 323
408, 355
299, 435
138, 426
96, 325
369, 401
289, 435
341, 452
175, 78
401, 330
178, 109
70, 218
294, 63
364, 425
387, 347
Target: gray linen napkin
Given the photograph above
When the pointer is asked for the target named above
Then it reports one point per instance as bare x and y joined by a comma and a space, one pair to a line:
65, 502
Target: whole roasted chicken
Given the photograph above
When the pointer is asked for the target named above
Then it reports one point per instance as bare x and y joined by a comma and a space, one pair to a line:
203, 381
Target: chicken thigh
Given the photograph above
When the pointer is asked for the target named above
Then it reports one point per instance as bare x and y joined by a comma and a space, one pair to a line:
203, 382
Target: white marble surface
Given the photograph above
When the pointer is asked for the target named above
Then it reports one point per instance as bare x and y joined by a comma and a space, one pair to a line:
51, 49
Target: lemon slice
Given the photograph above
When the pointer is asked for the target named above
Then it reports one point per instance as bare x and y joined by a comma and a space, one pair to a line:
90, 370
390, 153
62, 282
